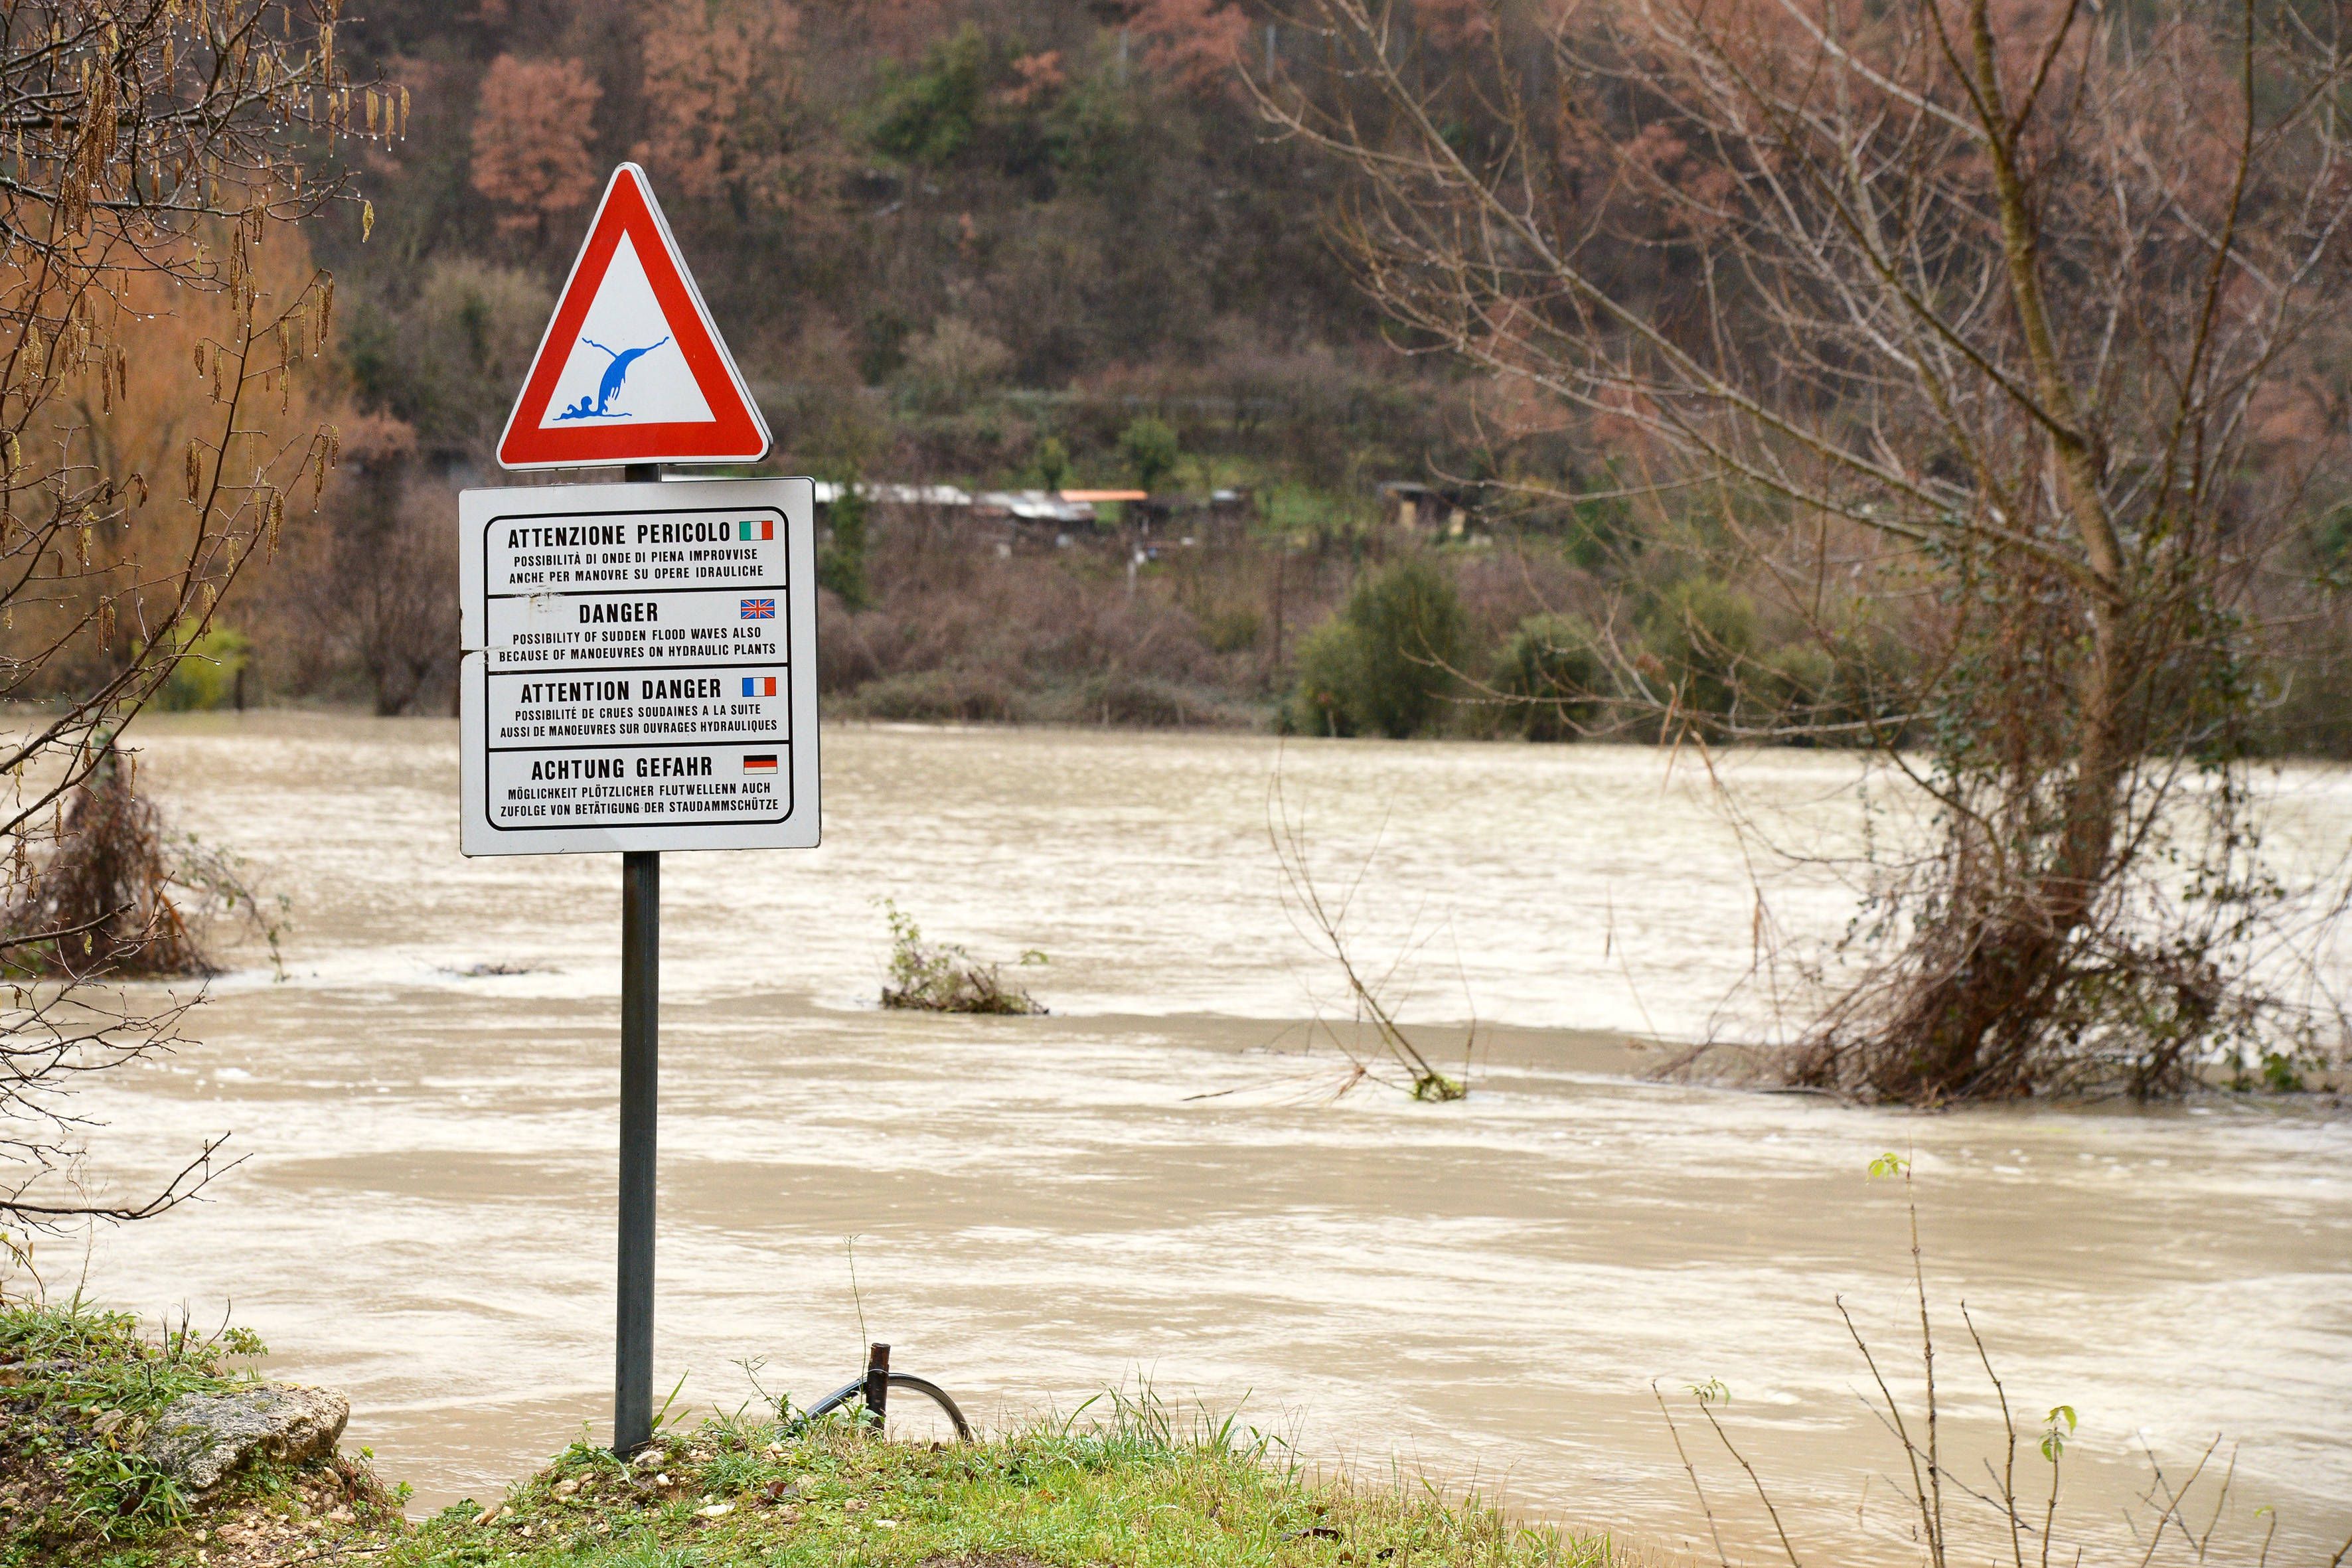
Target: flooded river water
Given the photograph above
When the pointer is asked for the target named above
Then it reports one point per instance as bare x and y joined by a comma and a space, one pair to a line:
1481, 1291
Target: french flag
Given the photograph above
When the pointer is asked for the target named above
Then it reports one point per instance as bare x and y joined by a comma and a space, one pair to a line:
759, 686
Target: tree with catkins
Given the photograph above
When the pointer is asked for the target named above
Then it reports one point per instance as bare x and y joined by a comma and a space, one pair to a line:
149, 157
2012, 313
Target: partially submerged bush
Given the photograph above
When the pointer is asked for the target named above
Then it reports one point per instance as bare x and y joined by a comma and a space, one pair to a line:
1324, 921
100, 902
941, 977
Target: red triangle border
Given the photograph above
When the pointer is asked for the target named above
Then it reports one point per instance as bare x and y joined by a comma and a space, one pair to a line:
736, 433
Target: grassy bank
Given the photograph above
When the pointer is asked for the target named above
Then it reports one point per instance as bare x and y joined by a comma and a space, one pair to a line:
1125, 1490
1121, 1483
80, 1390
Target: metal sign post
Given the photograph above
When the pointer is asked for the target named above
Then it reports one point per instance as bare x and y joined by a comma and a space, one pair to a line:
632, 1339
640, 665
633, 1330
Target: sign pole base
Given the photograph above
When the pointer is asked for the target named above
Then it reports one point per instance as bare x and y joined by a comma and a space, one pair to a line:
633, 1360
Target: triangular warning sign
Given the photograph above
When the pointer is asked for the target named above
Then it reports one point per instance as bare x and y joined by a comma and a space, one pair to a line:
632, 370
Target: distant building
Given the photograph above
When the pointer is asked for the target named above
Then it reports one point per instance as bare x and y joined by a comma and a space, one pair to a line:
1057, 508
1430, 509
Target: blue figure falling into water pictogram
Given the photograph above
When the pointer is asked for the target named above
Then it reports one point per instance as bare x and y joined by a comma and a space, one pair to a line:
607, 389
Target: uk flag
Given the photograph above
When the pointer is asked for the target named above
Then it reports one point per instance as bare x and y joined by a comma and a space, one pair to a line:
759, 609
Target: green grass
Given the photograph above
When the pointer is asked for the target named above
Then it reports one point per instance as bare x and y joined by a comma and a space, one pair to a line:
78, 1388
81, 1386
1129, 1489
1120, 1484
1292, 509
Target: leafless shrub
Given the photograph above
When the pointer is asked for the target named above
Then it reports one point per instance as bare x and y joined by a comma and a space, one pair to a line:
2005, 323
1952, 1509
1323, 919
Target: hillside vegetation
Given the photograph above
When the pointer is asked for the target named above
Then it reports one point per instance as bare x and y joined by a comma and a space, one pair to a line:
1012, 244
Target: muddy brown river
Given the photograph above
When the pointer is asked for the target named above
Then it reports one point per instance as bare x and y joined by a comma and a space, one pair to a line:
1155, 1184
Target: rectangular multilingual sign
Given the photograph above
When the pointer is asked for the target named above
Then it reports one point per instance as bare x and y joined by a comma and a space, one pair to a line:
641, 667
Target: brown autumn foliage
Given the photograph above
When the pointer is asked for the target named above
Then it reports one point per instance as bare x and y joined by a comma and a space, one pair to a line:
1195, 43
140, 421
722, 89
530, 140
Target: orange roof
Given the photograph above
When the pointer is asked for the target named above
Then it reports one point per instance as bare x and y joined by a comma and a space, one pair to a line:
1106, 495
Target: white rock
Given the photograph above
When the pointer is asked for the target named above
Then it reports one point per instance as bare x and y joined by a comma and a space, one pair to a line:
201, 1438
